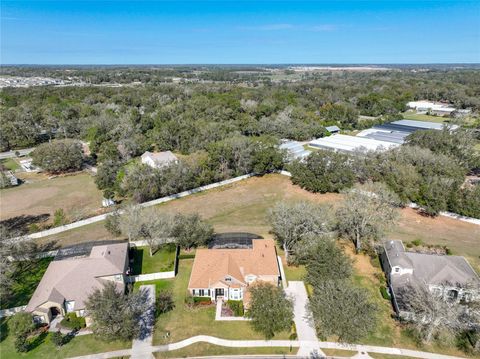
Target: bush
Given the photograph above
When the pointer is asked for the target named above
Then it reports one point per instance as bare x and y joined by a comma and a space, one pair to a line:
236, 306
21, 324
384, 292
164, 302
21, 344
56, 338
112, 223
71, 321
417, 242
202, 300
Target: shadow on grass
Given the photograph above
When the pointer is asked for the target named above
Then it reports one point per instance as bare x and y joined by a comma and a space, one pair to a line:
20, 225
136, 254
38, 340
3, 329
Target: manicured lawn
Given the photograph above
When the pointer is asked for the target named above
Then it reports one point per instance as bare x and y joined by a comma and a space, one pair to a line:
206, 349
10, 164
26, 278
339, 352
81, 345
183, 322
160, 284
162, 260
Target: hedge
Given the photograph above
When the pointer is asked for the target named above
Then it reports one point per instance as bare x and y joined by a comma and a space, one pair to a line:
73, 322
236, 306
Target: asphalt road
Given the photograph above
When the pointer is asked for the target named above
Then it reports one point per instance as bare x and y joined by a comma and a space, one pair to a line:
11, 154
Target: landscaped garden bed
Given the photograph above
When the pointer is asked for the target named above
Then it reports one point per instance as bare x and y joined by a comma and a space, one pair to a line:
163, 260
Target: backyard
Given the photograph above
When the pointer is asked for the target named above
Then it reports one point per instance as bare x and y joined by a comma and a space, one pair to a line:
26, 276
163, 260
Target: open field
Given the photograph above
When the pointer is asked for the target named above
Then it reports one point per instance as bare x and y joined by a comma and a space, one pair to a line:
409, 115
80, 345
244, 206
76, 194
183, 322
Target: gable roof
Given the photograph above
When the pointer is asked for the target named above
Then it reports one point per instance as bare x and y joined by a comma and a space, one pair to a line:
213, 265
160, 157
75, 278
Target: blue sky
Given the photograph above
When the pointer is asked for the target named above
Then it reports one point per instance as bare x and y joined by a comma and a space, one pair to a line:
201, 32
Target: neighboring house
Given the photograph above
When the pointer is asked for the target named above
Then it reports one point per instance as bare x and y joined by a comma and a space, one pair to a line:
227, 273
67, 283
333, 129
443, 275
294, 149
434, 108
159, 159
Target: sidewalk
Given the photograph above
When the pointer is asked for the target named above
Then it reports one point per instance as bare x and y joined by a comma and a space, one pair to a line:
142, 347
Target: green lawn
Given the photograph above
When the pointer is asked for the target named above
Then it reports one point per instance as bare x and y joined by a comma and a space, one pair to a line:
162, 260
26, 277
183, 322
81, 345
10, 164
160, 284
206, 349
414, 116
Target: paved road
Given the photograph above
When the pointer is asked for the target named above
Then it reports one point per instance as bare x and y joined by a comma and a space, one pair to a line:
142, 347
305, 330
11, 154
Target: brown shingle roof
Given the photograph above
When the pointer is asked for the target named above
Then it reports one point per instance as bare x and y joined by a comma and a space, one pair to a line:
75, 278
213, 265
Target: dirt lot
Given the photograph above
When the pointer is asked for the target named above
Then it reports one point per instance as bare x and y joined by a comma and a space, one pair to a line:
76, 194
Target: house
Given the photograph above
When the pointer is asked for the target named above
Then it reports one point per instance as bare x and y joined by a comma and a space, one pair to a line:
443, 275
228, 273
67, 283
434, 108
159, 159
345, 143
294, 149
332, 129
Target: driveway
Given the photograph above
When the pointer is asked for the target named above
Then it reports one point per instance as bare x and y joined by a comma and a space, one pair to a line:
142, 347
305, 330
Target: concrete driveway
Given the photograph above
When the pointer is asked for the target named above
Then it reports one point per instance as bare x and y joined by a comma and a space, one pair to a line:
142, 347
306, 332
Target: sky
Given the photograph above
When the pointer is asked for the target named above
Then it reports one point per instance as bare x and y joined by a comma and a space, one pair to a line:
239, 32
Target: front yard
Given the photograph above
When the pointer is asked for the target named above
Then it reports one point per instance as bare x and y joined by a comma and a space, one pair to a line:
163, 260
183, 322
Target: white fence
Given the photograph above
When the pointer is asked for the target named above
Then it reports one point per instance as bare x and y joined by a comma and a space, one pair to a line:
11, 311
150, 276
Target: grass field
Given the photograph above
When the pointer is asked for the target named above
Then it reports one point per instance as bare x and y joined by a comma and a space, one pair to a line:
10, 164
26, 278
162, 260
206, 349
184, 322
80, 345
415, 116
76, 194
160, 284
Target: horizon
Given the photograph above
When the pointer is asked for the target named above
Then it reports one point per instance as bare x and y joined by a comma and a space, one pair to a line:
246, 33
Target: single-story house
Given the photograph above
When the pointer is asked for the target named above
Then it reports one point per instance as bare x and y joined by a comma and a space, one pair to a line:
346, 143
443, 275
228, 273
67, 283
435, 108
159, 159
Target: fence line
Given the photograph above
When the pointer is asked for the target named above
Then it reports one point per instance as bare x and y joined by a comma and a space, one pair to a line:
150, 276
11, 311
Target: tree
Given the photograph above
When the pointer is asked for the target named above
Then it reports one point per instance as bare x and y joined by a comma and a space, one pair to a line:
432, 314
367, 211
116, 315
59, 217
323, 171
130, 222
326, 261
164, 302
341, 309
293, 222
58, 156
156, 228
270, 310
21, 324
191, 231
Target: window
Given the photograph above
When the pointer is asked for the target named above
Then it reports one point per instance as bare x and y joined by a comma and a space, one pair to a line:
69, 304
201, 293
250, 278
228, 279
208, 292
397, 269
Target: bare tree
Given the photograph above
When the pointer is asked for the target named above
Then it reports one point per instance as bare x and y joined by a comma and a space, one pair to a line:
131, 222
156, 228
294, 222
367, 212
432, 313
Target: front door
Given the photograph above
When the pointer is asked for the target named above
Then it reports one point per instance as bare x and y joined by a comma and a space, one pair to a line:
219, 292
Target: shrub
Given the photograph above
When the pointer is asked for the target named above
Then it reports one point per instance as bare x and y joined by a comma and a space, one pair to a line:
189, 301
59, 217
57, 339
164, 302
237, 307
21, 344
71, 321
384, 292
417, 242
202, 300
21, 324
